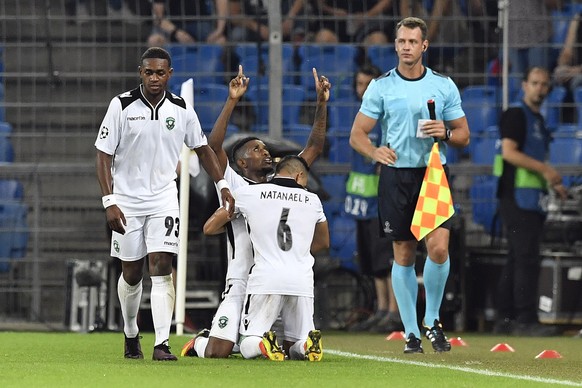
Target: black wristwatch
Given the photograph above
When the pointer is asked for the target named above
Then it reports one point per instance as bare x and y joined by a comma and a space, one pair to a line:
447, 135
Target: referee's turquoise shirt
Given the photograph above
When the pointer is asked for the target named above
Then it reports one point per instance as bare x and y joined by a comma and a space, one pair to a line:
399, 102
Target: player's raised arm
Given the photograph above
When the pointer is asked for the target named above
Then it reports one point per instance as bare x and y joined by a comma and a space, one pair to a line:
314, 147
236, 89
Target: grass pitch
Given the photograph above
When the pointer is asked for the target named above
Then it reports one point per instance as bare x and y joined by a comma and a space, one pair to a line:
350, 360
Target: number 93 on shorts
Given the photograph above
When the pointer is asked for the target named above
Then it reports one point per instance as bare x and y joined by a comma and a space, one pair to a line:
143, 234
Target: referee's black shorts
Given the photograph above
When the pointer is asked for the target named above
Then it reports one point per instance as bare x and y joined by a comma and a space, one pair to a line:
375, 254
397, 196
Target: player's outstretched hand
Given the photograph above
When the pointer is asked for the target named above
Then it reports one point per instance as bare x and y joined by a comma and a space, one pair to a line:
238, 85
322, 86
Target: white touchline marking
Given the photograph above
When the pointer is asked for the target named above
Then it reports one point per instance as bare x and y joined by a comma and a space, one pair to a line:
484, 372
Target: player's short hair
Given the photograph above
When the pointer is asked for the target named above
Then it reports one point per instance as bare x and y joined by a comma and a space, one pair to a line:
292, 163
412, 23
235, 154
157, 53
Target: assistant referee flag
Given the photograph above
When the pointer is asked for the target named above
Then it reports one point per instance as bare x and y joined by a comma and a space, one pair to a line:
435, 203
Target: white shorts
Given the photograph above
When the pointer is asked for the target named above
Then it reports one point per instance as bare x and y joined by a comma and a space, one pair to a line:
226, 321
147, 234
261, 312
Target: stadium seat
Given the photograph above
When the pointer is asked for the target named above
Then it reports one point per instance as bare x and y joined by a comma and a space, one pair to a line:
258, 72
341, 114
11, 189
486, 146
568, 130
480, 105
560, 23
340, 150
208, 102
292, 100
13, 232
202, 63
578, 102
384, 57
299, 133
343, 93
334, 185
551, 107
483, 192
6, 149
342, 235
336, 62
566, 150
5, 128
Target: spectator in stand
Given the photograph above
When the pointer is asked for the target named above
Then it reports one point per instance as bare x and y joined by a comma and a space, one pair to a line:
185, 21
249, 20
353, 21
447, 29
568, 71
530, 33
374, 251
116, 9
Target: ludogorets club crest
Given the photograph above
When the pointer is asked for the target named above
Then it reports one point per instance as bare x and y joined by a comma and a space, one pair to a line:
222, 322
170, 121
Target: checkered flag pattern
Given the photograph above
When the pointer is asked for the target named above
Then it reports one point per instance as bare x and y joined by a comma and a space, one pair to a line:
435, 204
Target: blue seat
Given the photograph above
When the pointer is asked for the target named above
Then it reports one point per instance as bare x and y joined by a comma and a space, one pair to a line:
560, 23
487, 145
341, 114
11, 189
578, 102
6, 149
481, 106
384, 57
568, 130
5, 128
483, 193
566, 150
293, 98
202, 63
335, 185
550, 109
13, 232
343, 93
340, 150
208, 102
335, 61
299, 133
343, 238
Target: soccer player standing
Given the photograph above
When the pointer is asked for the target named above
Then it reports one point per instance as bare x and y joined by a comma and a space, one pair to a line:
138, 148
399, 99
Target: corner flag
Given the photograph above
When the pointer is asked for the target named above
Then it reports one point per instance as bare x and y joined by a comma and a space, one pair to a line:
435, 204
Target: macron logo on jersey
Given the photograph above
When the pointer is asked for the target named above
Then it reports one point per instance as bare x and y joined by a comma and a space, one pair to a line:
291, 197
135, 118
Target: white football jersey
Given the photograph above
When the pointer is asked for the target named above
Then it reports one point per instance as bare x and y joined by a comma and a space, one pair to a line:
281, 218
146, 142
238, 248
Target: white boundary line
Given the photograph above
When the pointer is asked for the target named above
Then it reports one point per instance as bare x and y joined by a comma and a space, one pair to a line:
484, 372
